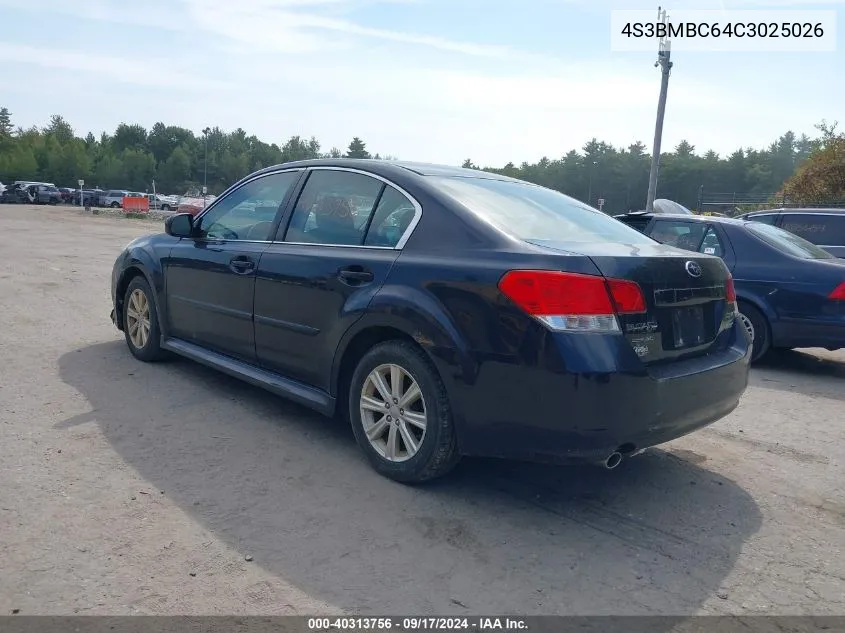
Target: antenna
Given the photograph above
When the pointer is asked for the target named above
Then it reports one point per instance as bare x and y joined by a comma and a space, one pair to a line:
664, 51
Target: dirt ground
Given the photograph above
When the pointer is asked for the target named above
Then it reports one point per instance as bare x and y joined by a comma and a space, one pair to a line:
171, 489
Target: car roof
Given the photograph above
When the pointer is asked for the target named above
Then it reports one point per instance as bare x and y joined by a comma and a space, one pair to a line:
798, 210
389, 167
683, 216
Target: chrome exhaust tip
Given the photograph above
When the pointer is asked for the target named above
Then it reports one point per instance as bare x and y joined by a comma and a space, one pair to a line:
613, 461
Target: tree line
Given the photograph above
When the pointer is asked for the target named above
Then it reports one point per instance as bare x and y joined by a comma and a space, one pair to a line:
179, 160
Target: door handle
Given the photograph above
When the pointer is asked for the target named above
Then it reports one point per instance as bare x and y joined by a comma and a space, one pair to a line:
242, 266
355, 277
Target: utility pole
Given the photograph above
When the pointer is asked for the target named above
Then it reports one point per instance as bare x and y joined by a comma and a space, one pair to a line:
590, 189
663, 53
205, 133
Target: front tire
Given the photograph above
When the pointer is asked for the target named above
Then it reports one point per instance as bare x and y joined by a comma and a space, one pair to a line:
140, 322
115, 205
757, 326
400, 414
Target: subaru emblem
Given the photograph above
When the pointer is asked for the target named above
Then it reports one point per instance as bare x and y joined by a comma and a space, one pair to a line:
693, 269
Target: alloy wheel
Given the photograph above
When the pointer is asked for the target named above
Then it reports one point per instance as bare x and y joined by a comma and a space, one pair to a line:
138, 318
393, 412
747, 324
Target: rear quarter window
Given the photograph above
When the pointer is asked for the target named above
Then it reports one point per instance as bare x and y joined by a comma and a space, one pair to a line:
786, 242
823, 230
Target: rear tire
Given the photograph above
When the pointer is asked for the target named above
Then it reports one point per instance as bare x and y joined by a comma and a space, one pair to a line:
411, 443
140, 322
758, 326
115, 205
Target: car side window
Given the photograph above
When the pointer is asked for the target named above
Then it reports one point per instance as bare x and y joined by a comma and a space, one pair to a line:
334, 208
712, 245
822, 230
391, 219
677, 233
766, 218
248, 212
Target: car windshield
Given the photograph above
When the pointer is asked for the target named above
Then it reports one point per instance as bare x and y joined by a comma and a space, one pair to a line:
529, 212
787, 242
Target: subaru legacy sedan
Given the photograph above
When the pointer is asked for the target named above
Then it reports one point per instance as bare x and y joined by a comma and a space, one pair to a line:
441, 312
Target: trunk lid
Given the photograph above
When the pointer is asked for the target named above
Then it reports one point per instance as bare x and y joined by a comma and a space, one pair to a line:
685, 295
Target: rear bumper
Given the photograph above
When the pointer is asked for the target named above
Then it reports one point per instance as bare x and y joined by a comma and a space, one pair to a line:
539, 414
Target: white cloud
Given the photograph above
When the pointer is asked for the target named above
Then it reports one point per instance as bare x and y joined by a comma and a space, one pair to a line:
106, 67
308, 67
275, 25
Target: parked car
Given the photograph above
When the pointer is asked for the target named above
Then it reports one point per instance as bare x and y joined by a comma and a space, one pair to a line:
790, 292
44, 194
470, 314
15, 194
822, 227
66, 194
90, 197
193, 205
113, 198
159, 202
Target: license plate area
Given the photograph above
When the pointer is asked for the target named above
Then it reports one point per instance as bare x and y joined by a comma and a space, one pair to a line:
689, 328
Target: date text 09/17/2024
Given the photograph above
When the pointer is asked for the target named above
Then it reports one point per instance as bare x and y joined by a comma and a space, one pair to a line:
327, 624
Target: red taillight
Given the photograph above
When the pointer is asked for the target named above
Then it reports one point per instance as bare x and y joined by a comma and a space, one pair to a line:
627, 296
730, 290
838, 293
571, 301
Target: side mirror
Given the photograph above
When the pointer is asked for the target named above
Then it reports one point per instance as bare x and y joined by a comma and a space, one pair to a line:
179, 225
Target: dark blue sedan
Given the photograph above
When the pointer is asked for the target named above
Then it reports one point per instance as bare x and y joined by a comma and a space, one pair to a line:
791, 293
442, 312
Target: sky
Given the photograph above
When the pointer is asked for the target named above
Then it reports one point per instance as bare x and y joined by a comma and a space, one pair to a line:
425, 80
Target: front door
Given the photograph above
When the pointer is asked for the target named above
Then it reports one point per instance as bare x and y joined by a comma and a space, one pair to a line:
210, 278
326, 265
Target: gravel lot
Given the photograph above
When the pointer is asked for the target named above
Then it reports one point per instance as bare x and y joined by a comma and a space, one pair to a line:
165, 489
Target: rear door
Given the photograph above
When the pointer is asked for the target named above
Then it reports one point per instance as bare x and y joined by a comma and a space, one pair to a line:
326, 264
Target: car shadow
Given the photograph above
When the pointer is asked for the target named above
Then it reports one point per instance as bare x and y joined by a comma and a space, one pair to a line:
800, 372
658, 535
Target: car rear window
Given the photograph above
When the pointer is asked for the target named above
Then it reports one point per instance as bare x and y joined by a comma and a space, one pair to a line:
786, 242
530, 212
824, 230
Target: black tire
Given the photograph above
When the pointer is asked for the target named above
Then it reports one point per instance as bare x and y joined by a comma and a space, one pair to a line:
762, 342
115, 205
165, 207
151, 351
438, 451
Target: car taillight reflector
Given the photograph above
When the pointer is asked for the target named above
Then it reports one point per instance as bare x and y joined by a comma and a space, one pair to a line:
838, 292
730, 290
572, 301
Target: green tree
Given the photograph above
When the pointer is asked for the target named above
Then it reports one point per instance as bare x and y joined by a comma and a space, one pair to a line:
357, 149
59, 129
129, 137
174, 174
233, 167
821, 179
6, 126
